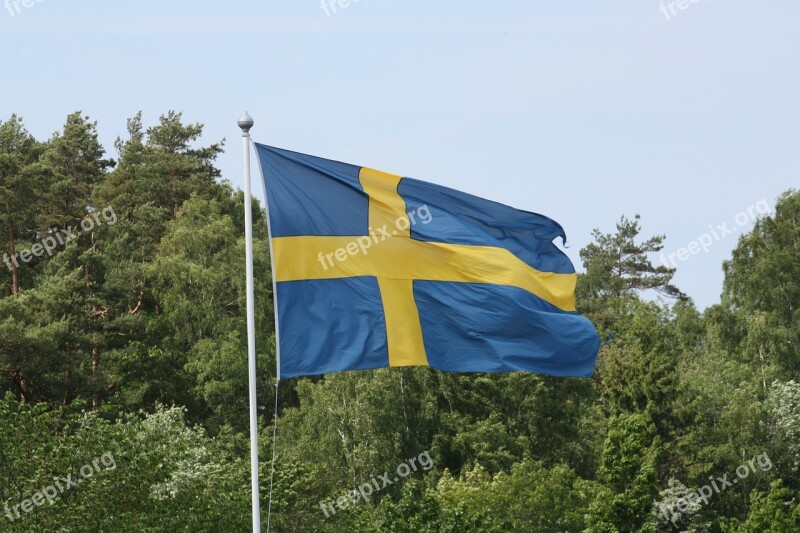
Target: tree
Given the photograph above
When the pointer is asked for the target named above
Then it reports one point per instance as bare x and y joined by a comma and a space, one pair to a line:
773, 512
784, 404
20, 189
628, 469
201, 291
617, 266
75, 169
762, 288
159, 167
530, 497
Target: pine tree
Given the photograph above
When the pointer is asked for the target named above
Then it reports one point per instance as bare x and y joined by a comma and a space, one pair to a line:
20, 188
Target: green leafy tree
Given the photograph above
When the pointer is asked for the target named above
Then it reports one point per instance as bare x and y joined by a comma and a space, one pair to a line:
628, 470
762, 288
200, 287
773, 512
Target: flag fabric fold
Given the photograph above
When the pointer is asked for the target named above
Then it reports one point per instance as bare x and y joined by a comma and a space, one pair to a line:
375, 270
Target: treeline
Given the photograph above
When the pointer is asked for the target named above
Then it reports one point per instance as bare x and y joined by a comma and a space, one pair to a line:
122, 334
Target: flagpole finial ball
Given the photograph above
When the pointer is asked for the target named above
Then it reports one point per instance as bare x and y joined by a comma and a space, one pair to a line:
246, 122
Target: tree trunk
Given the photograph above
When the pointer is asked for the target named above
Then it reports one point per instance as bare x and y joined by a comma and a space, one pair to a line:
13, 260
95, 364
23, 396
67, 395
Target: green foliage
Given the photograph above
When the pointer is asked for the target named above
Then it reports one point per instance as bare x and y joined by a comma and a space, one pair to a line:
146, 310
21, 183
773, 512
162, 473
530, 497
784, 405
628, 471
762, 288
618, 266
676, 511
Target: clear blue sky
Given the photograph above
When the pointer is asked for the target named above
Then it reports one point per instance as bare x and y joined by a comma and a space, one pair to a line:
576, 110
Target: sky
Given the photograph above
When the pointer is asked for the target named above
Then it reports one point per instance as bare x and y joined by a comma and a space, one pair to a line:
685, 112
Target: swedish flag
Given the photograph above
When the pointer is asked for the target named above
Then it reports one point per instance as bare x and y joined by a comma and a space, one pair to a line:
375, 270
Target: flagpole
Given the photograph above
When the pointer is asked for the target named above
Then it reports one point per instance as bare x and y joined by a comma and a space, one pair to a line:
245, 123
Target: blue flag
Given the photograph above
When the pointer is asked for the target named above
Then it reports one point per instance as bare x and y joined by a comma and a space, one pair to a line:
375, 270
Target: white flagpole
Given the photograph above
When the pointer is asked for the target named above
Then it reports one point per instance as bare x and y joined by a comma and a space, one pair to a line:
245, 123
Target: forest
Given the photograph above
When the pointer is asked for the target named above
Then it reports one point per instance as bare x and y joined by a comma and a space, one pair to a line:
123, 375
